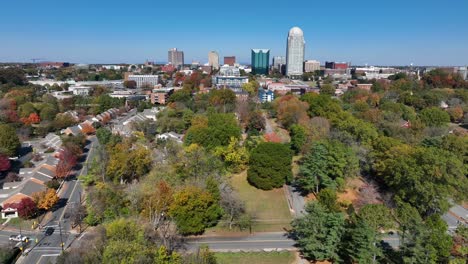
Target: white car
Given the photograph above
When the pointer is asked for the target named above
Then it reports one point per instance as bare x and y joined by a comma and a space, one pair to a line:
18, 238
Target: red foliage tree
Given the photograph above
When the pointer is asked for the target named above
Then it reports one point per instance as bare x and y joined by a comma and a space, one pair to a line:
5, 163
272, 137
26, 207
67, 160
33, 118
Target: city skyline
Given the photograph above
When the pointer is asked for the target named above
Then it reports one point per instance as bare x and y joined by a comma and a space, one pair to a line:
397, 33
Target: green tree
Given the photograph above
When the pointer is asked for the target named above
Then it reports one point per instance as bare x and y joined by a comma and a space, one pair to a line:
376, 216
327, 197
194, 210
218, 131
327, 89
423, 177
434, 116
318, 234
361, 243
9, 141
270, 166
298, 137
327, 165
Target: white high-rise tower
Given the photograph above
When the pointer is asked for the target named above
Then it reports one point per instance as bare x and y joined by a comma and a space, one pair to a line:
213, 59
295, 52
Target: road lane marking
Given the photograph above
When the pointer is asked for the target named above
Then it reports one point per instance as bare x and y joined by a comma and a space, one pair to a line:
239, 241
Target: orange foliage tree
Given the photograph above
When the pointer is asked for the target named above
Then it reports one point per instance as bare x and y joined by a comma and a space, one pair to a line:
45, 199
87, 129
291, 111
33, 118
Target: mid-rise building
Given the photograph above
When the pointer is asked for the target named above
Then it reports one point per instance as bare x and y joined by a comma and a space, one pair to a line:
175, 57
230, 60
213, 59
311, 66
144, 80
266, 95
161, 95
295, 52
337, 65
260, 61
278, 61
229, 76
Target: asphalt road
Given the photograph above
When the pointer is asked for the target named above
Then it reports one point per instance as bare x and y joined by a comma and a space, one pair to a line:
48, 248
256, 242
272, 241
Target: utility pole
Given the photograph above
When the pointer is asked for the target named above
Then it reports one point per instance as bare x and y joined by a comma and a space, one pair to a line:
61, 239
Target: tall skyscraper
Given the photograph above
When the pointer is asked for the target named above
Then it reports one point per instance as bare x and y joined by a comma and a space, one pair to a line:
260, 61
213, 59
175, 57
295, 52
230, 60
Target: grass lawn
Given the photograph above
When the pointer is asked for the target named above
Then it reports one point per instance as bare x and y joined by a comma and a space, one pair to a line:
24, 224
283, 257
270, 208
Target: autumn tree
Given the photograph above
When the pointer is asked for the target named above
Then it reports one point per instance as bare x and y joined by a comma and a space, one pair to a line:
26, 207
87, 129
33, 118
290, 110
234, 155
194, 210
5, 163
125, 165
46, 199
256, 121
67, 160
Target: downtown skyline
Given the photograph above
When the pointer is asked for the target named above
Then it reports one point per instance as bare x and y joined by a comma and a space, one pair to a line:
397, 33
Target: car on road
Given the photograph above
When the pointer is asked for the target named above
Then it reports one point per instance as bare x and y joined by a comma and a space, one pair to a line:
49, 231
18, 238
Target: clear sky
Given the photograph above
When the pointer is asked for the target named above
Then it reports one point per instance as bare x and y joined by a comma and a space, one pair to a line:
378, 32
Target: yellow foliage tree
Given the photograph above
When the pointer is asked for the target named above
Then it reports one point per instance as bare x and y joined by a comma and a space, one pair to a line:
45, 199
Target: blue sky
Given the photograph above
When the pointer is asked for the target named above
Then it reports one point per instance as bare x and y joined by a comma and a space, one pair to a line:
397, 32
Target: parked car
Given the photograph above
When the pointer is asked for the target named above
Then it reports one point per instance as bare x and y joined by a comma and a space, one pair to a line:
18, 238
49, 231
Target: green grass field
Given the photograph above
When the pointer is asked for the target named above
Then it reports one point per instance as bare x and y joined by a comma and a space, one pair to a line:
269, 208
283, 257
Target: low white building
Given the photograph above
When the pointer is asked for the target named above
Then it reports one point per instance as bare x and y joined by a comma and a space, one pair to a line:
80, 90
144, 80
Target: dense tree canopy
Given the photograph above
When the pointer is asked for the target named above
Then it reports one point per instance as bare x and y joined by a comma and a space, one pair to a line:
9, 141
214, 131
194, 210
326, 166
270, 166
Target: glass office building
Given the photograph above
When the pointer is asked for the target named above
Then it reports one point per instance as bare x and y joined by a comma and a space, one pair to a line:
260, 61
